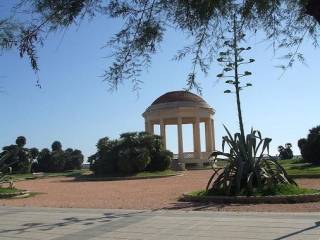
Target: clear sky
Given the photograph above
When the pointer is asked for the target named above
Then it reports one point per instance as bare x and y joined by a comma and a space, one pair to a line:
75, 107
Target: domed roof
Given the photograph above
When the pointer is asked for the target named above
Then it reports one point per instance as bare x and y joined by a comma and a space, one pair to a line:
179, 96
176, 102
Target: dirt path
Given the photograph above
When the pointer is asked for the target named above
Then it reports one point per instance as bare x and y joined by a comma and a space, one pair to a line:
159, 193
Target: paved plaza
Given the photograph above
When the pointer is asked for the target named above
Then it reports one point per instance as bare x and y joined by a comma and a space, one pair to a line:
17, 223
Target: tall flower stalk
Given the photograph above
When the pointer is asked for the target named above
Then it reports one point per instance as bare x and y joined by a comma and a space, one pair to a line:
232, 60
249, 166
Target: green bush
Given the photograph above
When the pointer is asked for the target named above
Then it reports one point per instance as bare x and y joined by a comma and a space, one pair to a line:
160, 161
133, 159
310, 146
105, 160
24, 160
56, 146
285, 152
43, 160
133, 152
58, 160
17, 157
73, 159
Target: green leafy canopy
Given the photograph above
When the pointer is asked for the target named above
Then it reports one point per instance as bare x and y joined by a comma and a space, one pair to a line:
285, 23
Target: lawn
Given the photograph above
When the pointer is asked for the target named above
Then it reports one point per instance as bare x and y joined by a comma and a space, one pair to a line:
145, 174
87, 174
8, 190
298, 168
295, 168
28, 176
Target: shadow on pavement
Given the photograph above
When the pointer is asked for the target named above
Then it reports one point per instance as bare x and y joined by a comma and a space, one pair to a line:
106, 217
197, 206
317, 224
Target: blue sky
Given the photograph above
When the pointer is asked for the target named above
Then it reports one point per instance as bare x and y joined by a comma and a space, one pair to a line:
75, 107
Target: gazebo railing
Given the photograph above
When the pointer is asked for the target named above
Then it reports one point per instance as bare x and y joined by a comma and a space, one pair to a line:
192, 155
188, 155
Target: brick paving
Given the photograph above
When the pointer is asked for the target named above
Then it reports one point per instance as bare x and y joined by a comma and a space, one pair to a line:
152, 194
27, 223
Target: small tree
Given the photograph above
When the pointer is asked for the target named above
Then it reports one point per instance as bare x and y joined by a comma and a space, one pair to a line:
247, 169
310, 146
44, 160
104, 161
285, 152
56, 146
132, 152
134, 156
17, 156
73, 159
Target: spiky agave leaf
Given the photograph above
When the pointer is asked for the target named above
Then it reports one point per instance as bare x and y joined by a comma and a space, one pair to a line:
249, 165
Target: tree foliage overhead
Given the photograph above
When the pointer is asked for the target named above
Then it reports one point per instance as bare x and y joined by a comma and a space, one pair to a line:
285, 23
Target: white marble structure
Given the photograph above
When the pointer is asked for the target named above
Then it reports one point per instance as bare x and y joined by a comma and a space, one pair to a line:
178, 108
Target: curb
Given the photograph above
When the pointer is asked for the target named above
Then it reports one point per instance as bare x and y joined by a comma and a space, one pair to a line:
252, 199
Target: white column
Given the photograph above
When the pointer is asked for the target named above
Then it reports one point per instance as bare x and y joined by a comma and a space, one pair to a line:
146, 128
196, 138
213, 136
163, 132
151, 129
180, 139
209, 147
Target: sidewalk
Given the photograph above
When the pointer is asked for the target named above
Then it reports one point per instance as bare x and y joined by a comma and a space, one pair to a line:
95, 224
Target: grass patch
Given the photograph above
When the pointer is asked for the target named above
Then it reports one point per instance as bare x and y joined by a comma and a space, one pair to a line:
281, 190
87, 174
157, 173
8, 190
28, 176
145, 174
297, 167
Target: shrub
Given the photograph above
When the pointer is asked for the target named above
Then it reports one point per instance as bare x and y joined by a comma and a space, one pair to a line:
44, 160
285, 152
310, 146
160, 161
132, 152
160, 158
105, 160
73, 159
24, 160
17, 157
56, 146
34, 152
21, 141
58, 160
133, 160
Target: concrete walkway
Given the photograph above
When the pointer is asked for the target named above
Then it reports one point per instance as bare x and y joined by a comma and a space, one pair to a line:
100, 224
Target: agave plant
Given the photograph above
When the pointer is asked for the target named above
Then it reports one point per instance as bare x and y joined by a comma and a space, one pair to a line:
249, 166
5, 170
